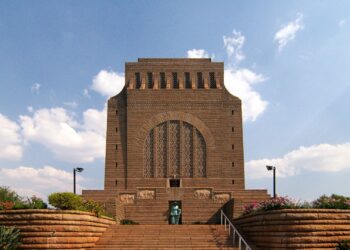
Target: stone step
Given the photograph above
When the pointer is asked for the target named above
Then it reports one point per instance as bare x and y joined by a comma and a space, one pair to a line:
165, 237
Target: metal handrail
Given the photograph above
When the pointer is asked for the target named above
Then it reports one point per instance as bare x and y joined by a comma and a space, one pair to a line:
225, 220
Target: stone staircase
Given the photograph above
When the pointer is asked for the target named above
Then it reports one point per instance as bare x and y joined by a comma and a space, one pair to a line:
201, 237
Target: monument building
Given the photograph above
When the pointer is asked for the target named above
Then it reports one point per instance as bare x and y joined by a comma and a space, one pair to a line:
174, 136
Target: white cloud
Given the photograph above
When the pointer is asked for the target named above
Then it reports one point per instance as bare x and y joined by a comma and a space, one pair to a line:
197, 53
288, 32
28, 181
108, 83
72, 104
240, 82
10, 142
30, 109
316, 158
342, 23
35, 87
86, 93
234, 45
69, 140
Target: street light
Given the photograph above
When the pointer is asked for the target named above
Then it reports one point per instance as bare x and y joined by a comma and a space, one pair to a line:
269, 168
79, 170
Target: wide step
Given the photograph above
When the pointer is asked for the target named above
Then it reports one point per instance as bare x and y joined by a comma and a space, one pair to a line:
165, 237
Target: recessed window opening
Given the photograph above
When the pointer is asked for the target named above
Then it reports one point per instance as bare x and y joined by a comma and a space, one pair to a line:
233, 146
116, 130
233, 164
175, 81
188, 84
232, 112
116, 147
116, 112
150, 80
233, 129
116, 164
162, 80
138, 80
212, 80
200, 83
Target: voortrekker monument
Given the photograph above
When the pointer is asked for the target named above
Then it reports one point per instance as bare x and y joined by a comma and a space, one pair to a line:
174, 138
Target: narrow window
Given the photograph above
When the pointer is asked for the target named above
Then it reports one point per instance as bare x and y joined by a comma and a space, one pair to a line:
233, 181
233, 146
162, 80
232, 112
233, 164
200, 83
116, 164
116, 130
116, 182
233, 129
175, 81
150, 80
116, 147
116, 112
188, 84
212, 80
138, 80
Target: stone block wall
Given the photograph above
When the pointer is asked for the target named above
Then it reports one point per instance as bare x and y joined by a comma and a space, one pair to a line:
296, 228
56, 229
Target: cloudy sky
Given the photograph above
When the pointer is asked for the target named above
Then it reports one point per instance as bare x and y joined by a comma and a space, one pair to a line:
287, 60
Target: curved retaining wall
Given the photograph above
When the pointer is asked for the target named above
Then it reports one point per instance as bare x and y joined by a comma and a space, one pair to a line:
296, 228
53, 229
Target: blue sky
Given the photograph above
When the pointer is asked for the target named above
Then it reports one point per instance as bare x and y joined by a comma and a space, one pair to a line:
287, 60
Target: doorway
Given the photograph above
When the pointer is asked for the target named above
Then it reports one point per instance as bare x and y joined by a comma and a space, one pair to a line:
175, 212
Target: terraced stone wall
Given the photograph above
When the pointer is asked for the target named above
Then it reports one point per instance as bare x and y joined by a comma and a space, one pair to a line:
54, 229
296, 228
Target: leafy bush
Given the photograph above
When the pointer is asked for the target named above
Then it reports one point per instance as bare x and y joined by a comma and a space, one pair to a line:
70, 201
11, 200
272, 204
8, 198
128, 222
9, 238
334, 201
330, 202
344, 245
93, 206
66, 201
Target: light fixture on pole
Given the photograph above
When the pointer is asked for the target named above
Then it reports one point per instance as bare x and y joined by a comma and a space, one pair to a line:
79, 170
269, 168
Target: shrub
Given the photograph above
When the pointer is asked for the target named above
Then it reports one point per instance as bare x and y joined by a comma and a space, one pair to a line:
9, 238
11, 200
343, 245
66, 201
128, 222
93, 207
6, 194
334, 201
70, 201
272, 204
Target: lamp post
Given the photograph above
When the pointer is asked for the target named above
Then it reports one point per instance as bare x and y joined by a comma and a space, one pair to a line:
269, 168
79, 170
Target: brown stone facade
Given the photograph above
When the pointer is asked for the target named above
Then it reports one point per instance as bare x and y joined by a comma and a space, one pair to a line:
174, 120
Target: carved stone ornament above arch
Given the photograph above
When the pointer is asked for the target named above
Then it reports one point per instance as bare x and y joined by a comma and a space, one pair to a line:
175, 115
